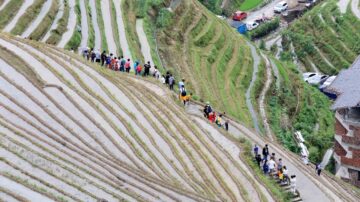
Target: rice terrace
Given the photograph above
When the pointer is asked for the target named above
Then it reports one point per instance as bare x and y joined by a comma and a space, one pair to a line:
179, 100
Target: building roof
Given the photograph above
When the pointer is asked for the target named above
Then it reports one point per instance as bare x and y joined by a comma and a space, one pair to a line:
347, 87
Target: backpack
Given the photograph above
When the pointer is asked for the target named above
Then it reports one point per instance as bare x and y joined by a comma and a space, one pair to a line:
183, 93
122, 63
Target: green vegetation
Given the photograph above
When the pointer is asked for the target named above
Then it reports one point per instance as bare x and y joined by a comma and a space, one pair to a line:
272, 186
164, 19
130, 27
45, 25
114, 26
232, 5
101, 25
249, 4
61, 28
265, 28
91, 39
212, 5
149, 31
9, 12
326, 30
75, 40
212, 57
30, 14
300, 107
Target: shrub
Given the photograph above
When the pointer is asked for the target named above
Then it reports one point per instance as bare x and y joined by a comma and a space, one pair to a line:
164, 18
265, 28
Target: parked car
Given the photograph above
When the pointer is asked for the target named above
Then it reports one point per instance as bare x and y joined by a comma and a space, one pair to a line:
252, 25
327, 82
238, 16
307, 75
221, 17
314, 78
280, 7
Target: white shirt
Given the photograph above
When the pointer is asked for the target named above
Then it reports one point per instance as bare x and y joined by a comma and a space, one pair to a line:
162, 80
271, 164
293, 181
285, 171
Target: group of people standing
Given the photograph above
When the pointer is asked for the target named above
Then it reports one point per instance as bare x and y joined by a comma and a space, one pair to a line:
271, 166
213, 118
119, 63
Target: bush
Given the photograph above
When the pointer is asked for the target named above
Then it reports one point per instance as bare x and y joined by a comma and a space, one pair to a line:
164, 18
265, 28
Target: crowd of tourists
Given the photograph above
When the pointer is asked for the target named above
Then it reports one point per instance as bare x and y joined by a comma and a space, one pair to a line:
270, 166
123, 64
266, 161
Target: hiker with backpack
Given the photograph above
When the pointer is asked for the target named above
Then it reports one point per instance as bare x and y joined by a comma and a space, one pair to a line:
207, 110
183, 94
136, 63
147, 67
127, 65
122, 64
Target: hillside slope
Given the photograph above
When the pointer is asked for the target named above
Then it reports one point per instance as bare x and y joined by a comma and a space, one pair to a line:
75, 132
325, 38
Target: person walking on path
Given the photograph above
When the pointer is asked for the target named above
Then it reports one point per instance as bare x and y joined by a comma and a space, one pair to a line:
93, 55
127, 66
272, 165
156, 72
181, 83
207, 110
171, 82
103, 58
163, 80
136, 63
318, 169
279, 164
293, 183
108, 61
258, 159
266, 167
167, 77
138, 69
265, 152
147, 67
286, 174
256, 150
226, 125
97, 56
122, 64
